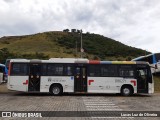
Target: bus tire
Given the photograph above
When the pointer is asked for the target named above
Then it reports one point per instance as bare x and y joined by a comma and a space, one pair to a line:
56, 90
126, 91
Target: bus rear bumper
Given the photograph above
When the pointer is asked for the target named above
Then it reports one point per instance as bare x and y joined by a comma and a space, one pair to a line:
151, 88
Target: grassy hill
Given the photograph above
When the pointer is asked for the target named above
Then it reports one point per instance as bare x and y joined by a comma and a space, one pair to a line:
63, 44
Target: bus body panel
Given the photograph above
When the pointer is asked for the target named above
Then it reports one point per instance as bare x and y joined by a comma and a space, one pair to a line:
132, 82
151, 88
18, 83
109, 84
67, 83
102, 85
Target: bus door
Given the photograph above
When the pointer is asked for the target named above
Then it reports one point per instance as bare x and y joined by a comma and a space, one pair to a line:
142, 80
34, 77
80, 79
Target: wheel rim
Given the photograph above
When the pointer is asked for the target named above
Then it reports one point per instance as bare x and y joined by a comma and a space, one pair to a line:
126, 91
56, 90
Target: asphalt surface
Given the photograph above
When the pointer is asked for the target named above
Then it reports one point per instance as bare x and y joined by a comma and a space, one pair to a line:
18, 101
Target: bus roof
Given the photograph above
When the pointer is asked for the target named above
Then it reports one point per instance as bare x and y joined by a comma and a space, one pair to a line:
69, 60
2, 65
76, 60
140, 57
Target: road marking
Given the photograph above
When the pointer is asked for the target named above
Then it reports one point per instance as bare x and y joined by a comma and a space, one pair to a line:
97, 100
99, 104
94, 109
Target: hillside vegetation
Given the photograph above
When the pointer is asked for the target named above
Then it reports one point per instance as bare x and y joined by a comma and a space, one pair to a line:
157, 83
63, 44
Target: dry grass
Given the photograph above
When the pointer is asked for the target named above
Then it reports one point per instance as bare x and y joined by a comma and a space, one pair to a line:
156, 83
36, 43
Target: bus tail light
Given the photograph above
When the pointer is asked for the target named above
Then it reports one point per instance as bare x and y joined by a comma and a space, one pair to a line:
9, 71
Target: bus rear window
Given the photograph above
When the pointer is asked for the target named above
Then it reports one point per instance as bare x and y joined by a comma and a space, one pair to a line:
19, 69
158, 57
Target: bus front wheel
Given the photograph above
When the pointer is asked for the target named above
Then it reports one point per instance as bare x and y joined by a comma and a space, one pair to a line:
56, 90
126, 91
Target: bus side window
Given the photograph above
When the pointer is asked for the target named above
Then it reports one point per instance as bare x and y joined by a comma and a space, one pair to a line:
68, 70
50, 69
109, 70
55, 69
94, 70
19, 69
44, 69
126, 71
142, 73
58, 69
77, 70
105, 70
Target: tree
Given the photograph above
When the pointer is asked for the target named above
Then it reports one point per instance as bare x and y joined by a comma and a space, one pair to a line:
78, 31
5, 54
73, 30
129, 58
95, 58
66, 30
87, 32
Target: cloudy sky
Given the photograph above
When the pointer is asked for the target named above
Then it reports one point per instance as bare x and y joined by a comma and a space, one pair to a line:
133, 22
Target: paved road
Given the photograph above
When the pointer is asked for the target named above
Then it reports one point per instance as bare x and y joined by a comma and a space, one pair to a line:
17, 101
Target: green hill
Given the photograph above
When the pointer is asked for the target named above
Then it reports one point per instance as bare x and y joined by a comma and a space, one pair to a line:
63, 44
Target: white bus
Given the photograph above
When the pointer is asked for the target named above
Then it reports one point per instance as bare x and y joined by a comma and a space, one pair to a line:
60, 75
153, 59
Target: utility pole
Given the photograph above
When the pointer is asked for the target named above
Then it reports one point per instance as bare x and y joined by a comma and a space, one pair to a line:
81, 44
76, 49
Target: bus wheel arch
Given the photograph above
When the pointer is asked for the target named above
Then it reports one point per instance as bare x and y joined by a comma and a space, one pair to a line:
127, 90
56, 89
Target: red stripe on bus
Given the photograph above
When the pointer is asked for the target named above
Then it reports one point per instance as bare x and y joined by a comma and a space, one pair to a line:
90, 81
9, 70
134, 82
25, 83
94, 62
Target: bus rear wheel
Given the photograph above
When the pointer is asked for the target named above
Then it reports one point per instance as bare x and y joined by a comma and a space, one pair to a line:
126, 91
56, 90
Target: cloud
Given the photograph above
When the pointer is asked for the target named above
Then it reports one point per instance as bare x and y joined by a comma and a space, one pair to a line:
132, 22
